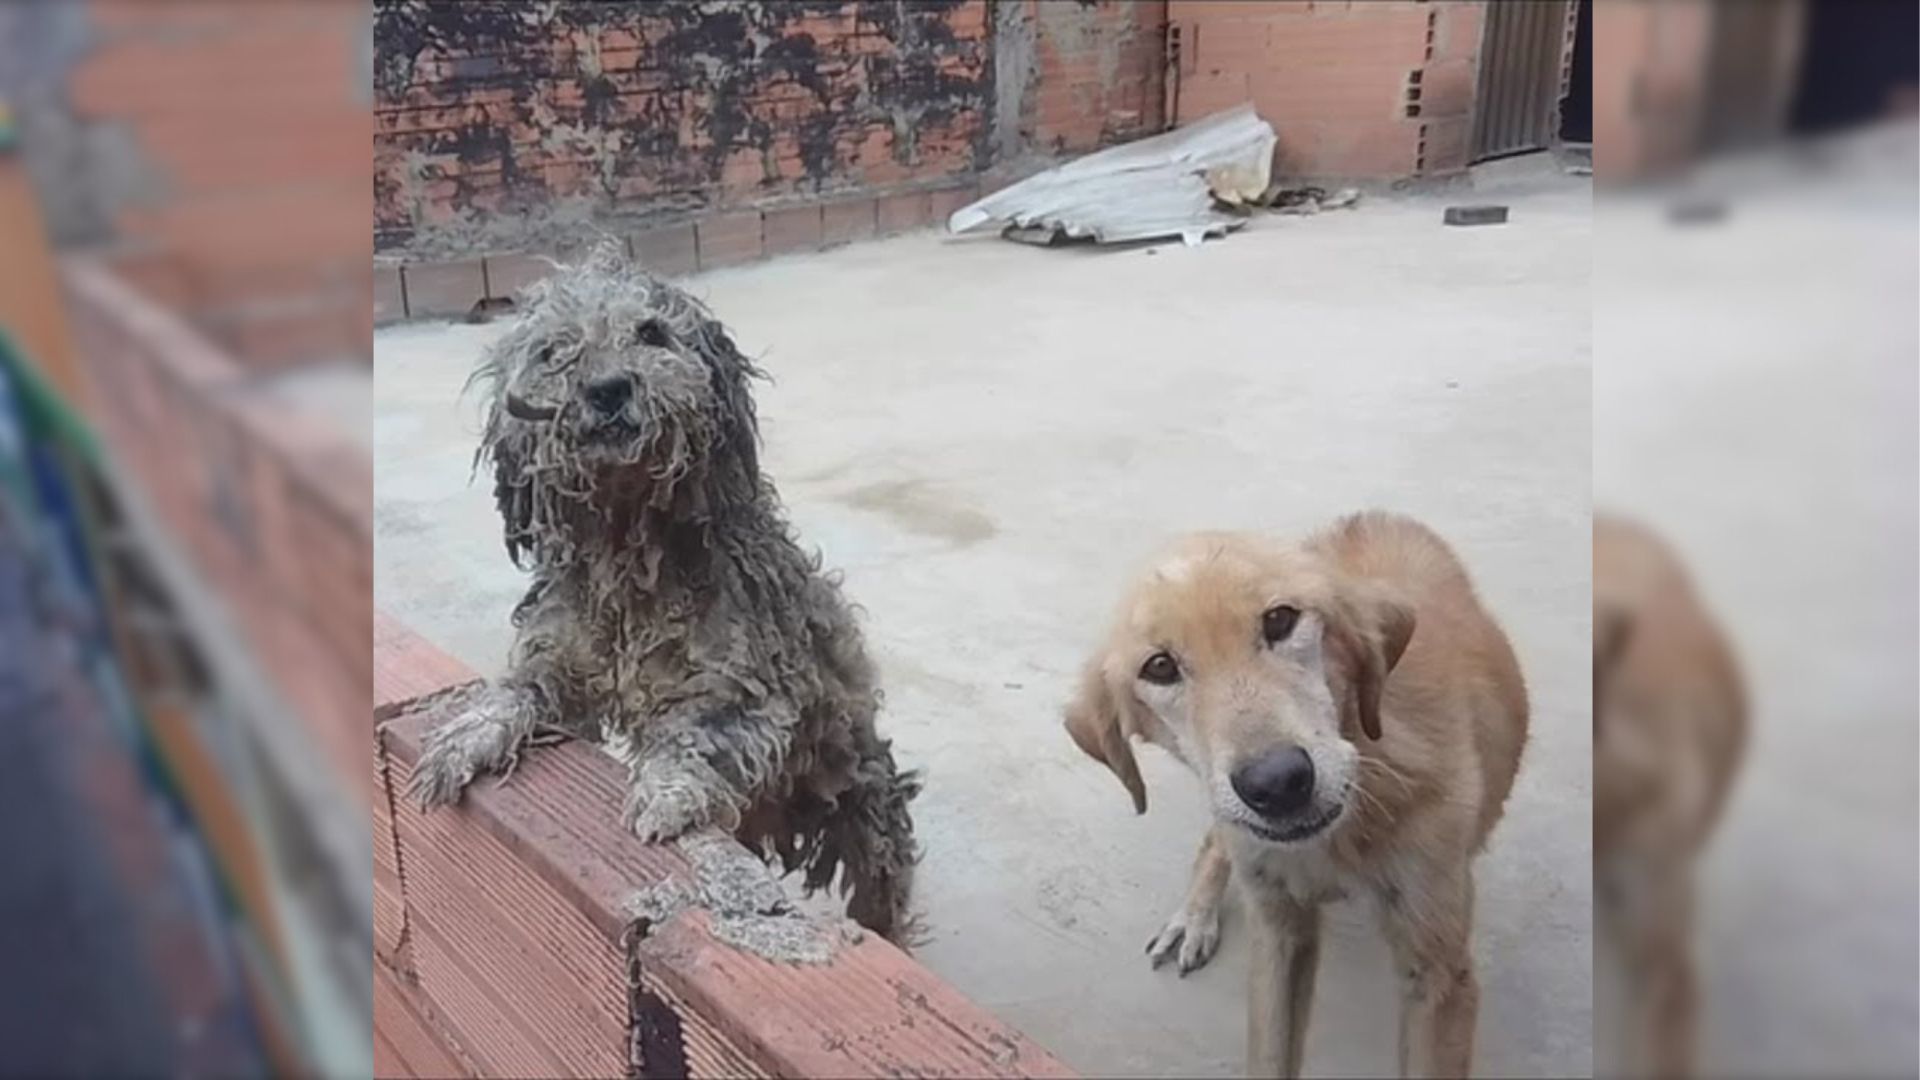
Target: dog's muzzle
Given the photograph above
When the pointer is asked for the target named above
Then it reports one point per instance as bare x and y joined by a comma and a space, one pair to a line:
521, 409
1308, 824
1279, 788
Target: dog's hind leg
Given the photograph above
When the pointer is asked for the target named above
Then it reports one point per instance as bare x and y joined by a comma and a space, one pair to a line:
485, 736
1429, 926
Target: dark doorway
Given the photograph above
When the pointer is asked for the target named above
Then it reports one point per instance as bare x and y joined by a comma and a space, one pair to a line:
1576, 109
1855, 57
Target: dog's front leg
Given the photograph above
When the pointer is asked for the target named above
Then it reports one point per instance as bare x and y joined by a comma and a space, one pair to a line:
1193, 933
1430, 929
1653, 920
1286, 956
484, 736
694, 768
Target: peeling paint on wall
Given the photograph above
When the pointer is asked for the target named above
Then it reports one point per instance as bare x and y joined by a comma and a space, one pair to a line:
1014, 76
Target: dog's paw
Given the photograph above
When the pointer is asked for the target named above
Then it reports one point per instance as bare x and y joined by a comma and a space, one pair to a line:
1190, 937
668, 816
443, 771
481, 738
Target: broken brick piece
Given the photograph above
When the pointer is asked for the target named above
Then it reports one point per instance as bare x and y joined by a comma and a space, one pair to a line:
1476, 215
1697, 211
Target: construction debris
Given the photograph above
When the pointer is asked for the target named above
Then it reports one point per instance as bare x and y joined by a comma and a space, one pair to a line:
1305, 200
1167, 185
1237, 183
745, 904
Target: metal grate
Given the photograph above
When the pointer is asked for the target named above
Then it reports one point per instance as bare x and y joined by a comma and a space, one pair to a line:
1523, 66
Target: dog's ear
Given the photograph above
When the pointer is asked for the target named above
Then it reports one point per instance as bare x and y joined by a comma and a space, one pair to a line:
1370, 629
731, 372
512, 492
1097, 721
1612, 632
1612, 629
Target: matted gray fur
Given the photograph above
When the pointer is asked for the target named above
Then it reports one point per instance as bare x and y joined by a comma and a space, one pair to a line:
670, 603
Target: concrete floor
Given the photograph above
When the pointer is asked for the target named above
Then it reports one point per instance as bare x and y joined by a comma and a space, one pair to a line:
1754, 401
986, 437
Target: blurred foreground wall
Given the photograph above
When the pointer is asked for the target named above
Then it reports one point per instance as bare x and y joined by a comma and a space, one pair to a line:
200, 171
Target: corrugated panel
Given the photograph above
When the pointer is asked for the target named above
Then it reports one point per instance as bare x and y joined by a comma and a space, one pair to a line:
1160, 186
1522, 75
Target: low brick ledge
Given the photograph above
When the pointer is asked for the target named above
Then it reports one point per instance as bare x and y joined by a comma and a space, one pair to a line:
406, 289
502, 947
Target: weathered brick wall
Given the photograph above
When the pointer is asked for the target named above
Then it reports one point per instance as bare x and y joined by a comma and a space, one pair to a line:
496, 123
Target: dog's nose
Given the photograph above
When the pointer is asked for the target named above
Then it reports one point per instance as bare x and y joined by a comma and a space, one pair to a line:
609, 396
1275, 784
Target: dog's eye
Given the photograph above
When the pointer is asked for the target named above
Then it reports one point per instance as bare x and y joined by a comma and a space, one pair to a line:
1278, 622
653, 334
1160, 669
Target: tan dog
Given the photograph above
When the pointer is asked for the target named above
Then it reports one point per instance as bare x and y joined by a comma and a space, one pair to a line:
1669, 727
1357, 719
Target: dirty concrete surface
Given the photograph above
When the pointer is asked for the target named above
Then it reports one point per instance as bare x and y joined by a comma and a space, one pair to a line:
986, 437
1754, 401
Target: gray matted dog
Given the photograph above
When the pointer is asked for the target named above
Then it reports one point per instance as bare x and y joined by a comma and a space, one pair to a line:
670, 604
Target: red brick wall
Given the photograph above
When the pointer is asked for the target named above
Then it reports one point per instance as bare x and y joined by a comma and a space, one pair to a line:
504, 945
1377, 90
262, 240
494, 124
